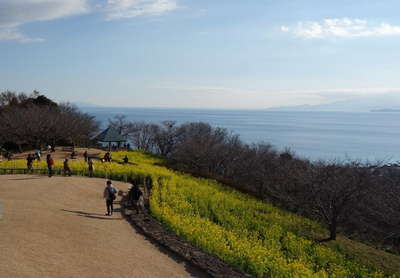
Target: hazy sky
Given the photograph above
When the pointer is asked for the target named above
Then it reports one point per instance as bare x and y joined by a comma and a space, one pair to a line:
204, 53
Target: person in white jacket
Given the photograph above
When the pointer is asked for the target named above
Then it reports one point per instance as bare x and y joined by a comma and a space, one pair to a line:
110, 194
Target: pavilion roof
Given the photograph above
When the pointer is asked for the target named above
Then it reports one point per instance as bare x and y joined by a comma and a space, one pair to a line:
110, 135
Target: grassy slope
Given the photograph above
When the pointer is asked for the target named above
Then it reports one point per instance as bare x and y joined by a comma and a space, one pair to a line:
299, 228
367, 255
358, 251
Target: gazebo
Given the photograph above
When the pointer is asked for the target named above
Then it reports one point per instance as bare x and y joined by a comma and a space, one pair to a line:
110, 135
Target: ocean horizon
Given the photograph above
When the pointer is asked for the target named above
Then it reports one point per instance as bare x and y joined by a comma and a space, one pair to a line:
363, 136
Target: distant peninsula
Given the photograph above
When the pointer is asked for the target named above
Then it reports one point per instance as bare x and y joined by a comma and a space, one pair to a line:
397, 110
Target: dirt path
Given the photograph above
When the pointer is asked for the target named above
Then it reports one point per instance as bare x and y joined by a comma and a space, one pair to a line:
55, 227
59, 154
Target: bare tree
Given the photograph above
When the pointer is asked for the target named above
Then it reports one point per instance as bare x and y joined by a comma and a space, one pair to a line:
120, 123
333, 189
165, 137
142, 135
36, 120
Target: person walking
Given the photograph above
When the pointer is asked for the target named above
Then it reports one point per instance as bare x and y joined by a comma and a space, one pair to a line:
90, 167
85, 156
29, 162
50, 164
110, 194
67, 170
136, 197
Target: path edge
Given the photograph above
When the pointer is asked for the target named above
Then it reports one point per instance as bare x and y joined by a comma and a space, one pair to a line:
151, 228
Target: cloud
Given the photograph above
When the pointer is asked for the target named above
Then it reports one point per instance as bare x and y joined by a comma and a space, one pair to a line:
284, 28
13, 34
341, 28
15, 13
119, 9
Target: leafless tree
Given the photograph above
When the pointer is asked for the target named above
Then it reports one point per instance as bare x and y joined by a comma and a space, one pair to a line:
351, 197
165, 138
333, 189
36, 120
142, 135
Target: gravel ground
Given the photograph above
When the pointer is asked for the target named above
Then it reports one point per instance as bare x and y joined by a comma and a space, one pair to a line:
56, 227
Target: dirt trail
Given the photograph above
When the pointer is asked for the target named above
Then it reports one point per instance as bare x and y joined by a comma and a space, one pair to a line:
59, 154
55, 227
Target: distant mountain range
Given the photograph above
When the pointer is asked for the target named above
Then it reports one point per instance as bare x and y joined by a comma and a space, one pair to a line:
389, 102
386, 110
383, 103
85, 104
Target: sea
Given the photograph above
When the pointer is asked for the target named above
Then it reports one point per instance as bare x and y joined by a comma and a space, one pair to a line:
362, 136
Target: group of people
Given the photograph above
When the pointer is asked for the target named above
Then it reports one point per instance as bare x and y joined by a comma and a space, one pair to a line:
31, 158
67, 170
50, 164
49, 161
135, 197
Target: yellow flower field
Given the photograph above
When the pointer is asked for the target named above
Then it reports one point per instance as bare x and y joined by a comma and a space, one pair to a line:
254, 236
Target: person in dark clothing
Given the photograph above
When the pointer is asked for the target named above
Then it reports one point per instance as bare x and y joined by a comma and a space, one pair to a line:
67, 170
110, 194
50, 164
85, 156
107, 157
8, 155
29, 162
90, 167
136, 197
126, 159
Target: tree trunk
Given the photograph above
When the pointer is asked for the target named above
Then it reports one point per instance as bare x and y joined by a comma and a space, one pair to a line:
332, 229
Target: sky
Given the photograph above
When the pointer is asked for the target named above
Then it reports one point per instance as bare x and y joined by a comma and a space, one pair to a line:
228, 54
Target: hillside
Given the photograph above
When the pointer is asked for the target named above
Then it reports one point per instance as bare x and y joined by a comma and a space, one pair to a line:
256, 237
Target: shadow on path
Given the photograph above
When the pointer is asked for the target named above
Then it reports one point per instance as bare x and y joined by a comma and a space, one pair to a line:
29, 178
91, 215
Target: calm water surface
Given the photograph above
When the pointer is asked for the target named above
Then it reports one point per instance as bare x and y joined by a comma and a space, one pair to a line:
313, 135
